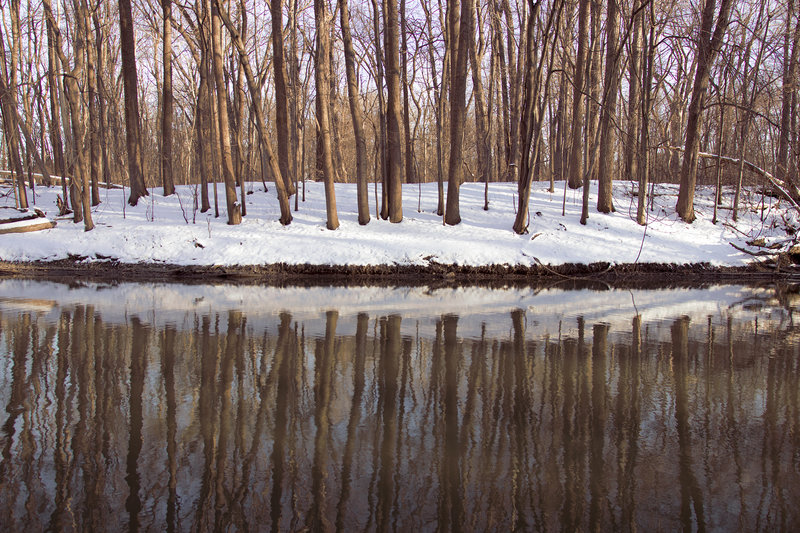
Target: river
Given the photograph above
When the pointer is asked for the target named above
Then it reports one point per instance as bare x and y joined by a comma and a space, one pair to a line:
170, 407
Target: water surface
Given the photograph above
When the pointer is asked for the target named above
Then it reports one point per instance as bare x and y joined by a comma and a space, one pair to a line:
211, 407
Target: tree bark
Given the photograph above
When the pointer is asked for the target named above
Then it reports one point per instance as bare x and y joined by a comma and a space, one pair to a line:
281, 95
167, 106
439, 112
483, 150
83, 209
461, 33
8, 100
575, 166
532, 109
394, 113
605, 196
708, 47
231, 201
381, 155
788, 90
322, 68
133, 128
258, 106
356, 115
55, 120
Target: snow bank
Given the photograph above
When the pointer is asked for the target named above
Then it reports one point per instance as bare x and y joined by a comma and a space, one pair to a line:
170, 230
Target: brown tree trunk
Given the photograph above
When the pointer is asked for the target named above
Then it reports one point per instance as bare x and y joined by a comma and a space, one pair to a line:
258, 107
788, 91
133, 127
95, 154
411, 176
167, 106
646, 105
231, 201
322, 68
439, 112
708, 47
381, 156
532, 109
461, 34
11, 131
605, 200
203, 125
55, 120
72, 89
355, 113
634, 106
101, 32
481, 123
394, 113
579, 118
281, 95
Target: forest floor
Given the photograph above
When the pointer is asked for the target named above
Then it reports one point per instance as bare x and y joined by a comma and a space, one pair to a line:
168, 238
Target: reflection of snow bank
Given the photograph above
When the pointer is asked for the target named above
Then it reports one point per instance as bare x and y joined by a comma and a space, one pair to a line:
545, 310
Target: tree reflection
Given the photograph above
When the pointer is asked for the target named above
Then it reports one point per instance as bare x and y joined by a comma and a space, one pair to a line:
349, 421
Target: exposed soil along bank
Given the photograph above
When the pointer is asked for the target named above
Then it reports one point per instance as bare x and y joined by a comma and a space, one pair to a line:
602, 275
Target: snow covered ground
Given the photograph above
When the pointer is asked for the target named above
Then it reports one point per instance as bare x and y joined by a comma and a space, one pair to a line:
170, 230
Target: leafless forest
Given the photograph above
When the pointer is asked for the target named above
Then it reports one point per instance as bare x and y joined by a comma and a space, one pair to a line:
216, 93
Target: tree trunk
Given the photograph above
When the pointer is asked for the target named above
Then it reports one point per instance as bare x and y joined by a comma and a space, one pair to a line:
258, 107
281, 95
131, 85
576, 150
167, 177
394, 113
203, 123
355, 113
72, 89
55, 120
95, 156
707, 49
439, 112
461, 34
532, 109
482, 147
646, 106
634, 106
788, 90
231, 201
411, 176
381, 155
8, 99
605, 197
322, 68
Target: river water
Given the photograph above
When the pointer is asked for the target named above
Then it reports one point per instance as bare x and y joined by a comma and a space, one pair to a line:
167, 407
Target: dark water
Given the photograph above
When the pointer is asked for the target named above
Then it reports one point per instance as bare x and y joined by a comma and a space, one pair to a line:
198, 408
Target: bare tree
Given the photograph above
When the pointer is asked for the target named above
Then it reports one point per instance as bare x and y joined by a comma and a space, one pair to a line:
534, 96
133, 128
394, 114
322, 69
281, 94
605, 178
791, 52
232, 204
461, 33
167, 107
356, 115
578, 108
76, 109
708, 47
258, 106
